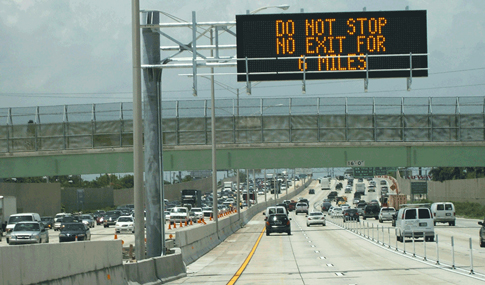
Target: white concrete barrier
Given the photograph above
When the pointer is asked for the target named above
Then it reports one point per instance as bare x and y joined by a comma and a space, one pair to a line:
93, 262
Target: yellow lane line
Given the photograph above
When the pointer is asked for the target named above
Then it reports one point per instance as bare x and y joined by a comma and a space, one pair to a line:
245, 263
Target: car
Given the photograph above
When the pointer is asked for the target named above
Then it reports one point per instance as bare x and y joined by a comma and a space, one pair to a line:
278, 223
303, 200
167, 215
311, 191
348, 189
345, 207
125, 223
315, 218
48, 222
372, 189
414, 221
332, 195
384, 190
336, 212
350, 215
27, 232
88, 220
207, 211
371, 210
274, 210
326, 206
110, 218
292, 206
198, 214
74, 231
181, 214
383, 183
481, 233
386, 213
301, 207
443, 212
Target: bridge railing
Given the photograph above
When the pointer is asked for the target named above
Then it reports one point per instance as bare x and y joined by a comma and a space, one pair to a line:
289, 120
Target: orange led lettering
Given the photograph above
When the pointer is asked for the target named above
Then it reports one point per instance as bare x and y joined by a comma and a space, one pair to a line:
311, 26
333, 62
350, 60
330, 50
280, 43
340, 38
361, 58
279, 24
382, 23
380, 41
309, 44
371, 44
339, 65
284, 37
319, 27
359, 42
350, 23
372, 24
330, 25
321, 44
300, 63
290, 28
361, 20
320, 61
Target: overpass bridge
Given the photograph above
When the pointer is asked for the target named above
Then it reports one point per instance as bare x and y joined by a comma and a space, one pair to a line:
250, 133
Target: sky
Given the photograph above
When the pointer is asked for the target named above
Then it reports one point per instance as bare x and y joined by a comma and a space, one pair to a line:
57, 52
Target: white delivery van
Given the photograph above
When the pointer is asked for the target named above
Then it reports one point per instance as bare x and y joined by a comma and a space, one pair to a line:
14, 219
443, 212
414, 222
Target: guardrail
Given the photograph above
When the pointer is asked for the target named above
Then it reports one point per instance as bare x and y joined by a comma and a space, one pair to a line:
384, 237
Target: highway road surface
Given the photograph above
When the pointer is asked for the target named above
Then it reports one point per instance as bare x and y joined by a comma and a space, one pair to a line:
335, 255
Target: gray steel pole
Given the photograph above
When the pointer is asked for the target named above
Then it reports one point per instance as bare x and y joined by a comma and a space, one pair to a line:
213, 139
137, 133
238, 197
265, 189
152, 103
254, 188
247, 188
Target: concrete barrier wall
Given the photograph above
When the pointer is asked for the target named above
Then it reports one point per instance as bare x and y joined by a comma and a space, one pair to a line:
157, 270
93, 262
195, 242
460, 190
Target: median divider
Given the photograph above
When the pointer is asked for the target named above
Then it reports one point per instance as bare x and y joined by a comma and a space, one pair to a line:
197, 241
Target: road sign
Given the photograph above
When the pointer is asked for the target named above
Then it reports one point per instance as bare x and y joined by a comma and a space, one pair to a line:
362, 172
355, 163
383, 170
419, 187
331, 45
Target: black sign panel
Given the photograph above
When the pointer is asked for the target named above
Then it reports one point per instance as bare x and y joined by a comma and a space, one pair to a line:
331, 45
419, 187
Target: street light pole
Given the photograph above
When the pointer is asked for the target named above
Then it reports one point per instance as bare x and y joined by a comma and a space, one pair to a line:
215, 210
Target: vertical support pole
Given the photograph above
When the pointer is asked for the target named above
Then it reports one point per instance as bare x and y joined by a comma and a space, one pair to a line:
254, 187
290, 140
318, 119
213, 136
453, 252
238, 193
471, 257
262, 123
389, 235
372, 231
37, 126
247, 189
303, 87
395, 232
265, 189
346, 122
194, 54
366, 80
410, 78
177, 122
9, 129
458, 114
137, 133
374, 116
65, 122
430, 113
122, 122
404, 243
93, 124
248, 83
402, 119
153, 167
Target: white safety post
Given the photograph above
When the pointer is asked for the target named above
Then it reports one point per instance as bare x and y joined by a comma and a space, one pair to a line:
437, 251
414, 246
389, 235
395, 232
453, 252
404, 244
424, 243
471, 257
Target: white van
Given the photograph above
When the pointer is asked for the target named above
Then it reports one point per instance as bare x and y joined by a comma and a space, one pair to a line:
13, 219
274, 210
443, 212
416, 220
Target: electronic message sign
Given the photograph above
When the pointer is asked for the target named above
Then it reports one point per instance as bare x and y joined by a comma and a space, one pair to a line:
332, 45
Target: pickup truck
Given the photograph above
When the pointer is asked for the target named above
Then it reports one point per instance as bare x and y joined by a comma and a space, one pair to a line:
179, 215
301, 207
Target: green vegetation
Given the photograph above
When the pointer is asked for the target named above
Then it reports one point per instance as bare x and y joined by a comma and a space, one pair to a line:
451, 173
464, 209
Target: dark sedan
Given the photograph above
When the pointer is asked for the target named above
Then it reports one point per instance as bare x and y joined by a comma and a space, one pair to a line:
279, 223
326, 206
48, 222
110, 218
350, 215
71, 231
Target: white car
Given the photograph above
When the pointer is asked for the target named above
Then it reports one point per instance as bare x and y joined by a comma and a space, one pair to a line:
125, 224
315, 218
337, 212
198, 213
179, 215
